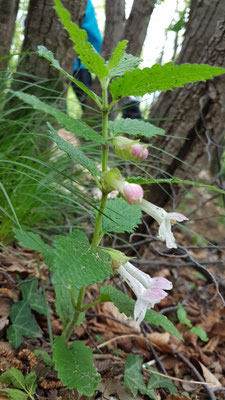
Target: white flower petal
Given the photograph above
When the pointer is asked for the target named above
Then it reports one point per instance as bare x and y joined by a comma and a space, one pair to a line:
140, 309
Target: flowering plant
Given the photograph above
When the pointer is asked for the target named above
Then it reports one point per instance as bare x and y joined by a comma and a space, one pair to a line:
74, 261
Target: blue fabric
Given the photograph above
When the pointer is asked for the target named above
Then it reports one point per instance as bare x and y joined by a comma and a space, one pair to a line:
90, 25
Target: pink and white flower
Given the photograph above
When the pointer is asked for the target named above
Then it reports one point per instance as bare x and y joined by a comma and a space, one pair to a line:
165, 221
149, 291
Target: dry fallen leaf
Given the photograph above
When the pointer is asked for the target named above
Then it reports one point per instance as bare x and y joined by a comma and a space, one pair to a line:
160, 340
206, 373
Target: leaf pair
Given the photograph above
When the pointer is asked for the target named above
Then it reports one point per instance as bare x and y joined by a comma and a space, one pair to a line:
24, 387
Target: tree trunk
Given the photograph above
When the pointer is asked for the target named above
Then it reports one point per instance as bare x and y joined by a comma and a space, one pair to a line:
117, 28
114, 25
137, 25
8, 13
196, 113
43, 27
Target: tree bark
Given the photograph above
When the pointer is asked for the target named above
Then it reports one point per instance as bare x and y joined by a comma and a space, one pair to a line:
43, 27
133, 29
8, 13
117, 28
114, 25
196, 113
137, 25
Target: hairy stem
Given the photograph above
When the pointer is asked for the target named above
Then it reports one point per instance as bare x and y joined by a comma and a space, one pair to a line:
77, 311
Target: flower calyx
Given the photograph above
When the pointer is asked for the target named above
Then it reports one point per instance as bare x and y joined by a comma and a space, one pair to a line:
128, 149
117, 258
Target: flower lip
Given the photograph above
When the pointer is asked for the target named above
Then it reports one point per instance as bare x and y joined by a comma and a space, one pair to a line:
154, 295
161, 283
177, 216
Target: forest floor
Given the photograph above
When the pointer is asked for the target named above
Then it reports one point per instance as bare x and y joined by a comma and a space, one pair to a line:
195, 268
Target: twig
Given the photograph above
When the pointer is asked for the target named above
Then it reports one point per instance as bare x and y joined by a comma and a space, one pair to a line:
155, 355
214, 387
205, 272
196, 373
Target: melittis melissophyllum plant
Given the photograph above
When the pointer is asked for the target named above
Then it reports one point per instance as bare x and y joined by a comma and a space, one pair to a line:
76, 260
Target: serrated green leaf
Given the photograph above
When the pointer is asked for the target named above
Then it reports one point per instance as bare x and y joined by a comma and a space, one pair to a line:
157, 381
63, 303
33, 296
23, 323
30, 381
162, 78
134, 127
45, 357
133, 379
13, 376
48, 55
75, 367
16, 394
119, 216
126, 305
32, 241
182, 316
117, 54
127, 63
73, 152
80, 263
142, 181
86, 52
80, 128
200, 332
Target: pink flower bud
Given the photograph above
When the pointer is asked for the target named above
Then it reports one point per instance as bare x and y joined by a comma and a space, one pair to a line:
144, 154
133, 193
137, 150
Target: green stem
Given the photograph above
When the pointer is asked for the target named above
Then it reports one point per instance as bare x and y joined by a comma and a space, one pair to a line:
84, 308
105, 114
77, 311
46, 302
98, 222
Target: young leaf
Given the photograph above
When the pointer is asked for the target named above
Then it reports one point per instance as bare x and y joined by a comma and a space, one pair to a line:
126, 305
127, 63
16, 394
162, 78
157, 381
200, 332
73, 152
89, 56
80, 128
30, 381
32, 241
141, 181
117, 54
23, 323
119, 216
45, 357
48, 55
75, 367
13, 376
182, 316
33, 296
134, 127
77, 263
133, 379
